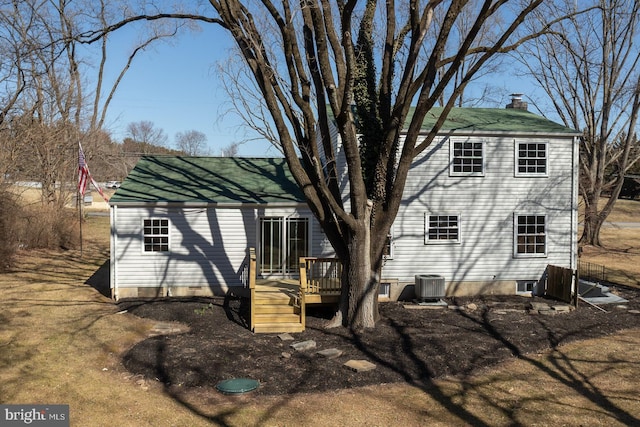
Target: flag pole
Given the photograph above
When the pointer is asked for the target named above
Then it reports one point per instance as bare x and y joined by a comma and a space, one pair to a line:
80, 203
79, 196
84, 177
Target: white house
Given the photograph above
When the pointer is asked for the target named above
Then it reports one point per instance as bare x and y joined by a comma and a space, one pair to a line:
486, 208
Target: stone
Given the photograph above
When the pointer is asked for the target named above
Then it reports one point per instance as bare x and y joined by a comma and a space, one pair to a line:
561, 308
285, 337
360, 365
163, 328
540, 306
634, 311
424, 307
286, 355
330, 353
472, 306
303, 345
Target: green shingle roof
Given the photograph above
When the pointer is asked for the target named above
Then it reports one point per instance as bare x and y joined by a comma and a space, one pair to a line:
493, 120
183, 179
208, 179
490, 120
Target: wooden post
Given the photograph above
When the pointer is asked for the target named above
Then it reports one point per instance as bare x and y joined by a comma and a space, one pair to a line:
303, 291
252, 286
576, 295
80, 204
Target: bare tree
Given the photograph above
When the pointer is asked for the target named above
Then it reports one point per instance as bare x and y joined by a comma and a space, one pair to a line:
588, 66
315, 66
51, 95
192, 143
146, 135
230, 150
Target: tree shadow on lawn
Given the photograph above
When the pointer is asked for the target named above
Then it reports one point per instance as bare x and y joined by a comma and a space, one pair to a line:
408, 346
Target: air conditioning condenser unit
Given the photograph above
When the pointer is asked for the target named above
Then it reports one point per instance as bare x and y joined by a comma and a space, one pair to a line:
429, 287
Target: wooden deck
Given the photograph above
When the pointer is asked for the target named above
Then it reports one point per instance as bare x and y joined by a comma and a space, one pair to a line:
279, 305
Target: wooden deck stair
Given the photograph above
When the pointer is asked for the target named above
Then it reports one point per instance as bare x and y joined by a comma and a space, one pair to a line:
278, 305
275, 311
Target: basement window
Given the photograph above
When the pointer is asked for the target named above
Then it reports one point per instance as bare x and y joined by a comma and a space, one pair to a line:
525, 287
156, 235
384, 290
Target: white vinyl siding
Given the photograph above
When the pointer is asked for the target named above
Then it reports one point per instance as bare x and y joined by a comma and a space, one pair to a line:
208, 246
486, 208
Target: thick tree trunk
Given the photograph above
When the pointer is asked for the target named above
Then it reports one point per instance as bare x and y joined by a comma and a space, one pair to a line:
363, 284
358, 307
591, 231
595, 215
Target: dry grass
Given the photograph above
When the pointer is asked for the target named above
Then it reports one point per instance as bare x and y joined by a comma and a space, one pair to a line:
620, 253
623, 211
61, 342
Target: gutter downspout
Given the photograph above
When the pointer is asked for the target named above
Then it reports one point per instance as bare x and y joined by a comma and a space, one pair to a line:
574, 203
113, 282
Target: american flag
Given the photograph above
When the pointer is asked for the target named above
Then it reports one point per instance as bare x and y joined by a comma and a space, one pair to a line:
83, 172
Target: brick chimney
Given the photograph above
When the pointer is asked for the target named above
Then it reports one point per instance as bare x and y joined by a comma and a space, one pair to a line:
517, 102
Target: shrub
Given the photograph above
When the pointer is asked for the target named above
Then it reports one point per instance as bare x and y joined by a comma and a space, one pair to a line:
33, 225
10, 212
47, 227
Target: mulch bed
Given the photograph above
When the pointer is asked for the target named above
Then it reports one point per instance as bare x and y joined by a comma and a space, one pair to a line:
407, 345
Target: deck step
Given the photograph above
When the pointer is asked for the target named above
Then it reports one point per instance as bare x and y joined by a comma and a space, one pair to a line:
273, 298
277, 328
275, 309
277, 318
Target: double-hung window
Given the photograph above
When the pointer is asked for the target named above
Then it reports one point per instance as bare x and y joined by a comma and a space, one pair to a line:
530, 236
467, 158
441, 229
282, 242
531, 158
155, 235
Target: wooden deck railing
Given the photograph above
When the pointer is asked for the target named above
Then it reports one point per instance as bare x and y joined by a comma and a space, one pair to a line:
319, 283
251, 276
321, 275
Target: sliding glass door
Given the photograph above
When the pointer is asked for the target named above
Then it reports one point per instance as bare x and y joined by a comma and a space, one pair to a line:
282, 242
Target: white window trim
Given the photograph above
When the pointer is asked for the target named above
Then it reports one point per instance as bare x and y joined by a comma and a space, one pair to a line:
427, 241
452, 143
392, 244
515, 236
144, 252
516, 158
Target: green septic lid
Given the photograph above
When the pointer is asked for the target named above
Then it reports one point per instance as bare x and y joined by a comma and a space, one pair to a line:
237, 385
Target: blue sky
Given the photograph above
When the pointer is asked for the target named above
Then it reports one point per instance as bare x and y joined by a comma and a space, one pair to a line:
175, 86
